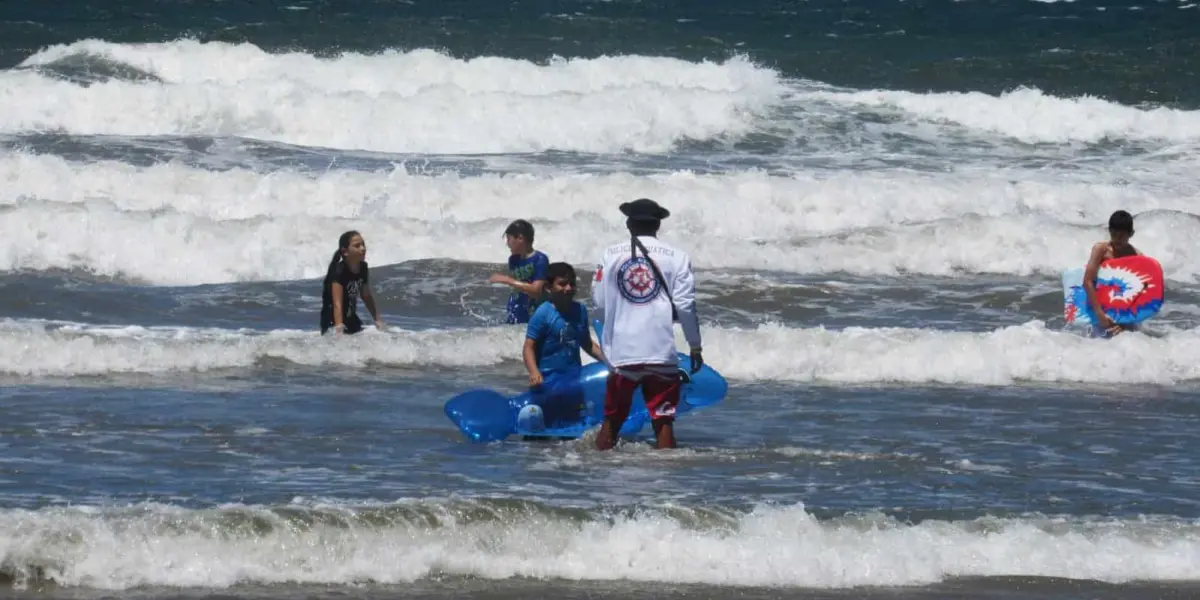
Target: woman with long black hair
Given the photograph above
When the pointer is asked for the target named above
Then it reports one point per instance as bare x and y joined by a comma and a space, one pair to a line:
347, 280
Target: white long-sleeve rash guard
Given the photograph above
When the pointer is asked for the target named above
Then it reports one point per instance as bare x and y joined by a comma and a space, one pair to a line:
638, 326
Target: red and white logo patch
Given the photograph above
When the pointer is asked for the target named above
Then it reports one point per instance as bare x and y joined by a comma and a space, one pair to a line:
636, 281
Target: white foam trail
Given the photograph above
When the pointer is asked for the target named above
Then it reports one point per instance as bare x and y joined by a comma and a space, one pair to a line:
423, 101
800, 204
1028, 114
418, 101
1029, 352
239, 225
170, 248
167, 546
406, 73
40, 348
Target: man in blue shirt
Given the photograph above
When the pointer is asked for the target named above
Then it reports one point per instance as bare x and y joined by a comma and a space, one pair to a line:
558, 329
526, 272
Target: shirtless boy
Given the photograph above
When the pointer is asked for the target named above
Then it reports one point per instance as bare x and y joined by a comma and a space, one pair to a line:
1120, 229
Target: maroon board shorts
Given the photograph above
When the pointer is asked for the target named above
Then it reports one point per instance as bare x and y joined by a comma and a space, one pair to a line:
660, 386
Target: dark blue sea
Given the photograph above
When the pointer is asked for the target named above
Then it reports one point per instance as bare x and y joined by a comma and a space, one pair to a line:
879, 197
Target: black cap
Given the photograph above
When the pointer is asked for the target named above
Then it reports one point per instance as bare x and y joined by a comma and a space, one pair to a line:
644, 209
520, 227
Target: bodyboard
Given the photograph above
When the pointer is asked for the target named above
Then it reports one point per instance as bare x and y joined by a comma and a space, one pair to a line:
1130, 290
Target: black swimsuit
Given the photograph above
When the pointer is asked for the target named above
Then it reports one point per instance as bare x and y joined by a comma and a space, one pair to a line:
351, 291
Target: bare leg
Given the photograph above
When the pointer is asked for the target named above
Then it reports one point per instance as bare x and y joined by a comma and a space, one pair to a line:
664, 434
610, 429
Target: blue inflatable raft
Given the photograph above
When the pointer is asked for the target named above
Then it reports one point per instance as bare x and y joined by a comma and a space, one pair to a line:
567, 405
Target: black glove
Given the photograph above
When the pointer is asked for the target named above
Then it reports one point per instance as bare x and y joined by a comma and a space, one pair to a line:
697, 359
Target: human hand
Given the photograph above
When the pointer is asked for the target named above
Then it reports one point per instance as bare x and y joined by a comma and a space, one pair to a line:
380, 325
535, 379
697, 357
1109, 326
499, 278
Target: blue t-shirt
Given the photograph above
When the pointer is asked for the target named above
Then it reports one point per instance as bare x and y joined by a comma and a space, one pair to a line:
558, 339
527, 270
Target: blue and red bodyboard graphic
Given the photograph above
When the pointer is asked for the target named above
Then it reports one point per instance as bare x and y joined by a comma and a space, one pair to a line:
1130, 290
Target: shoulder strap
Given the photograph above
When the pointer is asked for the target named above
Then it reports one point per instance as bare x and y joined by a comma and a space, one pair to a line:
637, 245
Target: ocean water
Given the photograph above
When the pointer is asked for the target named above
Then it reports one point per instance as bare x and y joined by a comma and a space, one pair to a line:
878, 196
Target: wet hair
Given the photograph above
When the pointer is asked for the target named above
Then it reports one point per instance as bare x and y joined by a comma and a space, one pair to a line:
560, 270
642, 226
330, 274
521, 228
1121, 221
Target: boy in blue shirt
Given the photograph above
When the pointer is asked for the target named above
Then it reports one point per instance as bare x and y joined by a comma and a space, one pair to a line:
558, 330
526, 272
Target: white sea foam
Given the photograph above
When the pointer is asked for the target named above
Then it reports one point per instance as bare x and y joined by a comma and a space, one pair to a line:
421, 101
1029, 352
424, 101
418, 101
205, 226
1028, 114
168, 546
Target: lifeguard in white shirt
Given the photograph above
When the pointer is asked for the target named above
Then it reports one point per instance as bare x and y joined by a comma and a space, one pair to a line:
641, 287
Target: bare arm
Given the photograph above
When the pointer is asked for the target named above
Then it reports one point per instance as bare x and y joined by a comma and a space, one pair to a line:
592, 346
532, 289
595, 352
529, 356
1089, 284
369, 300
